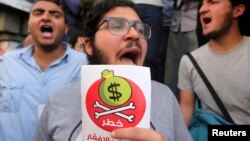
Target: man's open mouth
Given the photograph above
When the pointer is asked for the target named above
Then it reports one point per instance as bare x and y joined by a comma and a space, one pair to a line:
131, 56
206, 20
46, 30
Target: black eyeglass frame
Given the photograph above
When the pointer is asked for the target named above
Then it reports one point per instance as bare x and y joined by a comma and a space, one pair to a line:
130, 24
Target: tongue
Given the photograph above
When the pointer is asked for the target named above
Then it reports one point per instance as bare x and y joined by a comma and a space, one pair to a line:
47, 34
126, 61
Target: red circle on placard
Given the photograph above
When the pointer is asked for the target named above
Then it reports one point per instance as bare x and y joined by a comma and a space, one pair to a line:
112, 119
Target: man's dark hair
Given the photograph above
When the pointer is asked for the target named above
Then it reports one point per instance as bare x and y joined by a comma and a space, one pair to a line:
58, 2
94, 11
244, 20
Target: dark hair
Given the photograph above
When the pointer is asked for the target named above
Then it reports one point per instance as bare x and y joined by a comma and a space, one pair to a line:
74, 38
58, 2
244, 20
93, 12
237, 2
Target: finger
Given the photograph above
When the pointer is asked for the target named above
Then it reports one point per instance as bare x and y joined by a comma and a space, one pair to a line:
137, 134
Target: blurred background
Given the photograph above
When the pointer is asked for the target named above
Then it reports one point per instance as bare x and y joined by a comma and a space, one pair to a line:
13, 22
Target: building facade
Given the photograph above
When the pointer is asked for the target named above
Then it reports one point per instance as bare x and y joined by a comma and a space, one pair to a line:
13, 22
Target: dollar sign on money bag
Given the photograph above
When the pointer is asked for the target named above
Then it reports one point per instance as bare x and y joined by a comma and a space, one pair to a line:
114, 91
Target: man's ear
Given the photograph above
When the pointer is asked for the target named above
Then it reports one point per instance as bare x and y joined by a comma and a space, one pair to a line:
66, 29
239, 10
88, 46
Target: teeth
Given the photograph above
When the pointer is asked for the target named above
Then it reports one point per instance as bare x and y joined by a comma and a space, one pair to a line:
46, 28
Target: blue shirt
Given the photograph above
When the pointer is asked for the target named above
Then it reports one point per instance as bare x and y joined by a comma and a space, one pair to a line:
24, 88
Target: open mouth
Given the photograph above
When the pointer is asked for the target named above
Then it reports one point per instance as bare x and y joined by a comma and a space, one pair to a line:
46, 30
206, 20
131, 56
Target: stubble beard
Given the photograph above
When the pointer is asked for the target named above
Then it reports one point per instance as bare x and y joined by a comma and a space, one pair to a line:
47, 47
97, 57
223, 29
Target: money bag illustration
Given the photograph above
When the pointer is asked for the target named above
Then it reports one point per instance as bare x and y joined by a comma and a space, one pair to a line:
114, 90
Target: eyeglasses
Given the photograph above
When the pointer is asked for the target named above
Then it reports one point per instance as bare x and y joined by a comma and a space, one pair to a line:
121, 27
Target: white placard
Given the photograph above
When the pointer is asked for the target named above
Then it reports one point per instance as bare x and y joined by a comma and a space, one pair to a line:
114, 96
